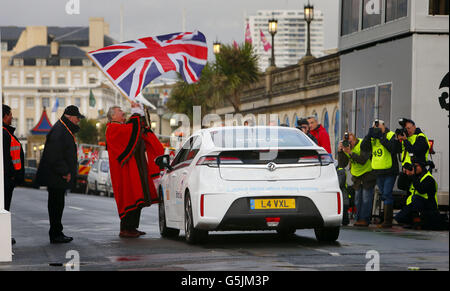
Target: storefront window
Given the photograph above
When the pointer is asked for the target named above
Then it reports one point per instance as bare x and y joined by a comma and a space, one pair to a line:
365, 106
347, 111
384, 103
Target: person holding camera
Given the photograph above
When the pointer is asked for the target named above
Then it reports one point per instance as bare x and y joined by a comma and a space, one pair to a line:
364, 180
422, 205
414, 142
381, 142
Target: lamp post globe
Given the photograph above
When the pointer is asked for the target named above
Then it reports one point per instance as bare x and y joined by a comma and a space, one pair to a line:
273, 27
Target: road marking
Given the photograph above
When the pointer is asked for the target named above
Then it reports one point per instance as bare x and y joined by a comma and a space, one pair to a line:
76, 208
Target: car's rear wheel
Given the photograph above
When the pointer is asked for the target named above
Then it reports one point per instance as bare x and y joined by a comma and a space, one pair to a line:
193, 235
327, 234
163, 229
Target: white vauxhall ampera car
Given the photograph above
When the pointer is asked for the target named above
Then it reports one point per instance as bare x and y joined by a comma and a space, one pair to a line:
249, 178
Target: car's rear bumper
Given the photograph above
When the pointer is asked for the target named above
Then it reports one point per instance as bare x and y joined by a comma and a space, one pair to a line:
240, 216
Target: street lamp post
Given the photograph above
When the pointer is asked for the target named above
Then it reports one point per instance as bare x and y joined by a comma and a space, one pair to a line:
216, 47
309, 16
273, 25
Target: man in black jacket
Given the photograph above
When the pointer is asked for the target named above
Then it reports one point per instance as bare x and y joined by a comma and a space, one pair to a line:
421, 207
13, 158
58, 168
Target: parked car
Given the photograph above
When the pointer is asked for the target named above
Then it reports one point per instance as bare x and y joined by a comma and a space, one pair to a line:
98, 176
30, 177
239, 178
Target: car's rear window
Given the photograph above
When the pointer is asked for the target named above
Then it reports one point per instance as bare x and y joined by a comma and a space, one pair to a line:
255, 137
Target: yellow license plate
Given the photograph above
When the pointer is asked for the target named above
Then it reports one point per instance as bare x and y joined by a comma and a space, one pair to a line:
272, 203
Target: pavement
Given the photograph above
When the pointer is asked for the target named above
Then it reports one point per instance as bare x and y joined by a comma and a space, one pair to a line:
94, 224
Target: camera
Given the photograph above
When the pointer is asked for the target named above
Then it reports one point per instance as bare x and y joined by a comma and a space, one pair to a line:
346, 142
402, 130
377, 130
408, 166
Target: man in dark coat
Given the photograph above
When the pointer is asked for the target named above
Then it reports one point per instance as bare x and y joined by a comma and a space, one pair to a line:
58, 168
13, 157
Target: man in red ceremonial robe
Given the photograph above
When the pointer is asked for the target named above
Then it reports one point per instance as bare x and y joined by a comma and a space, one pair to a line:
132, 149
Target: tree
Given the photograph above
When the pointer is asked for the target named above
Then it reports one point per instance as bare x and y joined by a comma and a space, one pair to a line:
235, 68
88, 131
239, 68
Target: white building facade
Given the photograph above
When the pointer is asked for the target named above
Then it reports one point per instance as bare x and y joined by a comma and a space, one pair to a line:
290, 39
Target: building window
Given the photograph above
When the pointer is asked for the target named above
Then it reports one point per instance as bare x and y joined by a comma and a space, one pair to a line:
336, 130
61, 102
29, 80
45, 81
384, 103
438, 7
30, 102
41, 62
365, 106
87, 62
92, 80
45, 102
347, 111
396, 9
77, 102
61, 80
350, 16
370, 18
4, 46
18, 62
30, 123
326, 122
64, 62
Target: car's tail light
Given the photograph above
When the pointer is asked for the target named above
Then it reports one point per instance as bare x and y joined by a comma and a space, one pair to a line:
339, 202
326, 159
272, 221
210, 161
230, 160
202, 205
309, 160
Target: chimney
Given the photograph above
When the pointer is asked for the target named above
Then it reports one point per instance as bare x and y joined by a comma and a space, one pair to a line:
54, 48
97, 28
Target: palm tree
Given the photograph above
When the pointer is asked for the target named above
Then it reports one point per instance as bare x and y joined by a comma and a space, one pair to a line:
239, 68
235, 68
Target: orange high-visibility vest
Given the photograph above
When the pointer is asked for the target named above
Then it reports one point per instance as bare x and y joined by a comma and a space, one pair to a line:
15, 152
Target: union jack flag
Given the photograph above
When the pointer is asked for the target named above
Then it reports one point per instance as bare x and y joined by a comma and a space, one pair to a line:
134, 64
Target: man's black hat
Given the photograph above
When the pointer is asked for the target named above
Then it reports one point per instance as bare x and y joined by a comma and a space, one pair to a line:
72, 110
302, 121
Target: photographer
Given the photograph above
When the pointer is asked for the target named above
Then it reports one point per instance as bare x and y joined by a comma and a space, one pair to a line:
380, 141
303, 125
422, 205
414, 142
364, 180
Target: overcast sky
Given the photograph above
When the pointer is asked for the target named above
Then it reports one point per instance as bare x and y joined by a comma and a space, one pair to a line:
221, 19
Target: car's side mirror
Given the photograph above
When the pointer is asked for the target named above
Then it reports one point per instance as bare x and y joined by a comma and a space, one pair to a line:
163, 162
